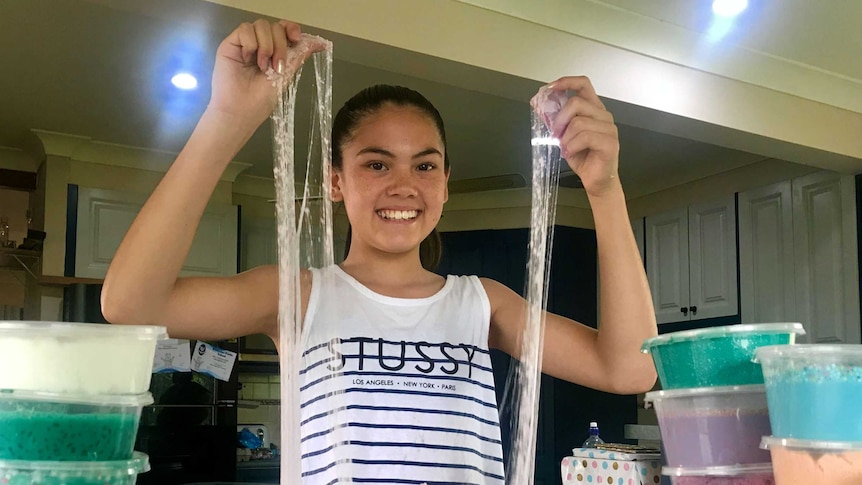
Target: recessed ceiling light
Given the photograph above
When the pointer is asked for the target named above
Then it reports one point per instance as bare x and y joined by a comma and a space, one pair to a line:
728, 8
184, 80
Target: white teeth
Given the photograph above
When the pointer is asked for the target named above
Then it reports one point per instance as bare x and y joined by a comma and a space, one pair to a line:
398, 215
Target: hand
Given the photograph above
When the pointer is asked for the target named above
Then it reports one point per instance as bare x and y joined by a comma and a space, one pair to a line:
240, 84
589, 140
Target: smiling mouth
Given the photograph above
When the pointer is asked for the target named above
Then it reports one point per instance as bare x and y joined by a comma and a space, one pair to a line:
398, 215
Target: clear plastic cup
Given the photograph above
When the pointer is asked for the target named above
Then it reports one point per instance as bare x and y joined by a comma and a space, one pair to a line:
120, 472
814, 391
712, 426
78, 358
806, 462
54, 427
715, 356
755, 474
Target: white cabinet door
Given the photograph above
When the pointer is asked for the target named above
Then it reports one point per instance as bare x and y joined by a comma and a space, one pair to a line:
258, 245
104, 217
712, 259
827, 272
667, 264
766, 260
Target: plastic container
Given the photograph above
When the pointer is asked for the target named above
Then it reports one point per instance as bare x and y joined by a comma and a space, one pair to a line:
42, 426
712, 426
122, 472
77, 358
804, 462
814, 391
716, 356
756, 474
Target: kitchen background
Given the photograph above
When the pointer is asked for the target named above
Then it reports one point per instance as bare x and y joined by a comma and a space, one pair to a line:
739, 158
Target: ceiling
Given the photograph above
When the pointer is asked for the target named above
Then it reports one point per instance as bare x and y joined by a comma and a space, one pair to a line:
101, 69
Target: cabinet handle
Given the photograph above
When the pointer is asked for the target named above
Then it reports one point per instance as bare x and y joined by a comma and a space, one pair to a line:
693, 310
684, 311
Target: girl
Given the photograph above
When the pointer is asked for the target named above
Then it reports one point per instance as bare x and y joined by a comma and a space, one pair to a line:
411, 347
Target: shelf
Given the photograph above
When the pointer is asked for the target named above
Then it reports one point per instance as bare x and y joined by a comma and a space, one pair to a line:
20, 259
46, 280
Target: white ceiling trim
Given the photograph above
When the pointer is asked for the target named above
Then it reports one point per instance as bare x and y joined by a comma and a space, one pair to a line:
85, 149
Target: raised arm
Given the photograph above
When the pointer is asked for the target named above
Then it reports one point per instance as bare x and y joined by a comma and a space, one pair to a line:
142, 284
608, 359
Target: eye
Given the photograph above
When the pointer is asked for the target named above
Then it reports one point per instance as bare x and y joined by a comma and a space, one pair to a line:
377, 166
425, 167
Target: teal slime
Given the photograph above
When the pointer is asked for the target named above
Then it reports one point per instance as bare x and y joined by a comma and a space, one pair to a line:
819, 403
710, 362
34, 435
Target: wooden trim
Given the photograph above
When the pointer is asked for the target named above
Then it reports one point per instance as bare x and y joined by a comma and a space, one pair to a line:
46, 280
17, 180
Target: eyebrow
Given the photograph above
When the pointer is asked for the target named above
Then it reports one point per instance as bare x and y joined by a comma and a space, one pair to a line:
387, 153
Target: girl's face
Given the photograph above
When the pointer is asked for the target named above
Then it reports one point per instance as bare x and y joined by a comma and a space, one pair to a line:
392, 179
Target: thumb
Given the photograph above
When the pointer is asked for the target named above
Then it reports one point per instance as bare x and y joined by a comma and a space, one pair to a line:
302, 50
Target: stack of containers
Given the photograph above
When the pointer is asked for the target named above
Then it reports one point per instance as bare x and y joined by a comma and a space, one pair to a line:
712, 411
70, 402
815, 408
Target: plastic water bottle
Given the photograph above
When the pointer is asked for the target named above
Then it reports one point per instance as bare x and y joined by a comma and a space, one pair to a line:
594, 439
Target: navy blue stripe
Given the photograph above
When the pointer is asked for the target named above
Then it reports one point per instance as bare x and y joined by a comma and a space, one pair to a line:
393, 444
398, 391
409, 482
402, 426
395, 357
411, 410
392, 342
394, 375
407, 463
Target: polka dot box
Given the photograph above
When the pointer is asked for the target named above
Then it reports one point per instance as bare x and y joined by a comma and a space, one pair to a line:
601, 467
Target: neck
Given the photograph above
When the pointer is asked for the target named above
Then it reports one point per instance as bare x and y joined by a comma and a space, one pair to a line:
377, 267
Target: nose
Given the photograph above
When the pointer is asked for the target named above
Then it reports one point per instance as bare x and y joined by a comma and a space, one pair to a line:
402, 183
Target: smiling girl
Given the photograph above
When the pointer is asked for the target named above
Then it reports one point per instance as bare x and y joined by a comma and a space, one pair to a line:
411, 348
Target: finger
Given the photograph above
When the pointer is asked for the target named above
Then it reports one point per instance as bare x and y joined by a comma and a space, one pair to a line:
293, 31
246, 41
592, 141
263, 33
279, 41
580, 84
577, 106
581, 124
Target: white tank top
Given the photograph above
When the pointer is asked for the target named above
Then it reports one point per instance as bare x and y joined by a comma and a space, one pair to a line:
407, 382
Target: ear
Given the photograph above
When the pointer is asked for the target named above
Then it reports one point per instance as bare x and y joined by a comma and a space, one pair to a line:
335, 186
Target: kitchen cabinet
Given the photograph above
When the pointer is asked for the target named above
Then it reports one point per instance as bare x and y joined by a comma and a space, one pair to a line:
103, 217
691, 261
798, 256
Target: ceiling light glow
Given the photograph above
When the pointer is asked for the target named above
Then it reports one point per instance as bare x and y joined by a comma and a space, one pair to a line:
729, 8
185, 81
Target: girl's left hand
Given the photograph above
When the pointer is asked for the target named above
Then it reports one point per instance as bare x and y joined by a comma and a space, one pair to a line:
589, 140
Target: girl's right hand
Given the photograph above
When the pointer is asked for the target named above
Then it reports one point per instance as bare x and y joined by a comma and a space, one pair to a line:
240, 85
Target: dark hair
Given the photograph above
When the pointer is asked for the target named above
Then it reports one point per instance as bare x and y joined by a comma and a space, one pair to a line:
367, 102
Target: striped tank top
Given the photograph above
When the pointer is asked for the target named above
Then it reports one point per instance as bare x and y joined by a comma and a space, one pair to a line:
395, 390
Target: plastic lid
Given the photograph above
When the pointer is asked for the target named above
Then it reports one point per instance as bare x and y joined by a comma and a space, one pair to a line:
771, 441
724, 331
119, 400
845, 352
139, 463
67, 329
719, 471
594, 424
704, 391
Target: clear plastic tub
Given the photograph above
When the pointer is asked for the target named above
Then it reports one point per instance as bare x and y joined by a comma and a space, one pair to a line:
78, 358
43, 426
804, 462
712, 426
716, 356
756, 474
814, 391
122, 472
